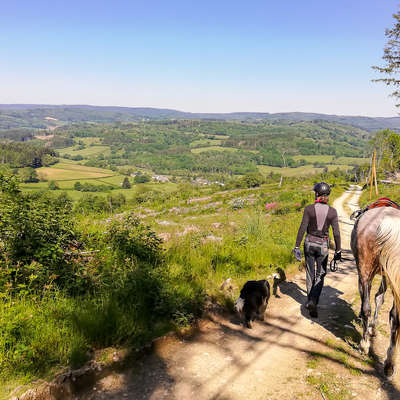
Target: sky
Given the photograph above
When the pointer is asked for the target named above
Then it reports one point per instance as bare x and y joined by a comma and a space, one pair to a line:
198, 56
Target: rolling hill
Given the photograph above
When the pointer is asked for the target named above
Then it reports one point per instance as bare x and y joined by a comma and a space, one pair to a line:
42, 116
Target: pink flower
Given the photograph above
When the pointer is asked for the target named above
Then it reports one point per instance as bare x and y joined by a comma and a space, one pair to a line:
270, 206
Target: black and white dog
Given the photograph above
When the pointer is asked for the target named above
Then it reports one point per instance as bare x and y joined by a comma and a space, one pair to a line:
253, 301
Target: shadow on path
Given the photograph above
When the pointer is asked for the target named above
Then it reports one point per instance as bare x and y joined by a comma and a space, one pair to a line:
338, 317
334, 314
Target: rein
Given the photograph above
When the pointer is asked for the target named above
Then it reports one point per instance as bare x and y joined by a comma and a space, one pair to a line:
333, 265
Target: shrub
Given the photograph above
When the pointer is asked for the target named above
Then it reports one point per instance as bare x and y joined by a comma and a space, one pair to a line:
90, 187
126, 184
251, 180
78, 186
48, 160
28, 175
93, 204
141, 179
53, 185
35, 231
130, 238
237, 204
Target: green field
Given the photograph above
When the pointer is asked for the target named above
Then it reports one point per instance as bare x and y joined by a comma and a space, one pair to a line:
213, 148
331, 159
68, 187
299, 171
342, 167
205, 142
87, 152
69, 171
312, 159
69, 184
90, 140
351, 160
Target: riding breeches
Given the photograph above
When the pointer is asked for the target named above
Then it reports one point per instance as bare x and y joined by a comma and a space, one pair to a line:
316, 255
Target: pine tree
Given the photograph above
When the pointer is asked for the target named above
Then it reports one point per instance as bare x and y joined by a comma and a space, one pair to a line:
391, 56
36, 162
126, 184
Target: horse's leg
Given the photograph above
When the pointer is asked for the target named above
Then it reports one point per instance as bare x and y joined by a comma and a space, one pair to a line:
361, 291
389, 366
365, 290
379, 299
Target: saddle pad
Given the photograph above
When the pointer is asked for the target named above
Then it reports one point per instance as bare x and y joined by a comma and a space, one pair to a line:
382, 202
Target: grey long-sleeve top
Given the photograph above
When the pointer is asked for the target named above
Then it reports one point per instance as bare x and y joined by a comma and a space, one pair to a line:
317, 219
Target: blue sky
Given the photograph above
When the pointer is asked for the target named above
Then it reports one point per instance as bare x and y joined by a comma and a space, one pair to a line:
208, 56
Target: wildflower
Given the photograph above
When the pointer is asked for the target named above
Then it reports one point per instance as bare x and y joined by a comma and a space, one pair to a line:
270, 206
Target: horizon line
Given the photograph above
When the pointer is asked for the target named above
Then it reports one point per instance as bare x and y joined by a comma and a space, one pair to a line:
37, 105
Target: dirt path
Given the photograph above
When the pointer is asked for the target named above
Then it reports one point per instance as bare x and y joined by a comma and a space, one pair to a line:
289, 356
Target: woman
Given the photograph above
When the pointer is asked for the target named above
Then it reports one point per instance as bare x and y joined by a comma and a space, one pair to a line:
317, 219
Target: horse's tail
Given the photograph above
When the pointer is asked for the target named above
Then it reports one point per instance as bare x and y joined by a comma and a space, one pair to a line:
389, 244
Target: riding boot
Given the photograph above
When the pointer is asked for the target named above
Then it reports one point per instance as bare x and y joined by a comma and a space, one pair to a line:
312, 308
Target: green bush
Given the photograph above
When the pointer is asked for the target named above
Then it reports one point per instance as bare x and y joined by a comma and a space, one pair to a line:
90, 187
53, 185
141, 179
250, 180
90, 204
35, 232
126, 184
130, 238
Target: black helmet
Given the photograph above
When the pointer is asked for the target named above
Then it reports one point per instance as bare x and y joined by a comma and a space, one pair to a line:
322, 189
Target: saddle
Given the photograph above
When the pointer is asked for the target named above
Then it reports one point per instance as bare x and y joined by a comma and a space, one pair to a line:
382, 202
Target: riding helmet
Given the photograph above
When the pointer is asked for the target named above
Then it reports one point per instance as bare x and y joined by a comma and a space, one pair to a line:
322, 189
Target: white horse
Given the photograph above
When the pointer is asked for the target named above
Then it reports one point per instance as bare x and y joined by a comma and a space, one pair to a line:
375, 242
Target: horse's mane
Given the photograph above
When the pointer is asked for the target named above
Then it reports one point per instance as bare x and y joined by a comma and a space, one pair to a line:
388, 240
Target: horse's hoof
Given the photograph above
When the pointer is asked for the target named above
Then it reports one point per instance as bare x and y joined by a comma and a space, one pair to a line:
248, 324
364, 346
388, 370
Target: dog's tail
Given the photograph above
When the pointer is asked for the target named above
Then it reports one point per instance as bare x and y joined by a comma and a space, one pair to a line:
239, 304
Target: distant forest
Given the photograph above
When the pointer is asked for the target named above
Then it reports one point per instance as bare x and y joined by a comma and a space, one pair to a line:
43, 116
177, 147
